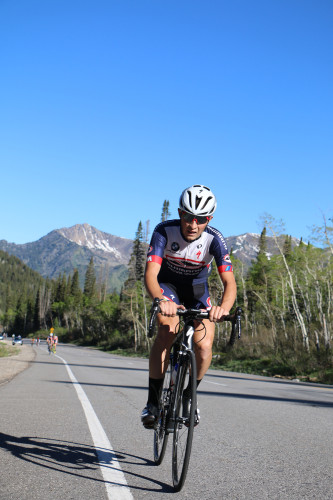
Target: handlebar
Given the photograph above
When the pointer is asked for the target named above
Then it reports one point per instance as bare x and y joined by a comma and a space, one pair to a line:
235, 319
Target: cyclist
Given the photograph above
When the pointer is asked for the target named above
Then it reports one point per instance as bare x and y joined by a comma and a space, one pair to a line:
52, 341
178, 265
49, 341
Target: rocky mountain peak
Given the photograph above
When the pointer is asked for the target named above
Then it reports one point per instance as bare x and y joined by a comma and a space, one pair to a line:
95, 240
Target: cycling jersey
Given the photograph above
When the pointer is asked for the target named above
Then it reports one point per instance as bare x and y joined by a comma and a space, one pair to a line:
52, 340
183, 261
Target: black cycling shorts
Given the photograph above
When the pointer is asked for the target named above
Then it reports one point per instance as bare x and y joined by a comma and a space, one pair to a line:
194, 296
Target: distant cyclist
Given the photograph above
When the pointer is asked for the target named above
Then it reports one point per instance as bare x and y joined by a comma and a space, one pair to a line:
52, 341
178, 265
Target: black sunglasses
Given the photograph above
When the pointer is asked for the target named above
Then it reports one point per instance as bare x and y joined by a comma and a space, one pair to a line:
200, 219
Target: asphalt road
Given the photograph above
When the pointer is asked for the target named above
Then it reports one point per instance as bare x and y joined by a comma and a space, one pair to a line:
73, 432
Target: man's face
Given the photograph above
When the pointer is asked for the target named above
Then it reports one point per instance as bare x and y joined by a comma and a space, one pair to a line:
191, 230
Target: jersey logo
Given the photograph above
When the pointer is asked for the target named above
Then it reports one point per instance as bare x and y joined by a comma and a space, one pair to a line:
175, 246
226, 258
198, 254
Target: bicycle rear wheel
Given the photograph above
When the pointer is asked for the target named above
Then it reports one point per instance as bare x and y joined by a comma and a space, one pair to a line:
183, 428
160, 432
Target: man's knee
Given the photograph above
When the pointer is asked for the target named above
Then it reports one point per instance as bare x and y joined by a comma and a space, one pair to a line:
204, 351
165, 336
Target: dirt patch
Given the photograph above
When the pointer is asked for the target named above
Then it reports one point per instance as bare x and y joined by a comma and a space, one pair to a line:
13, 365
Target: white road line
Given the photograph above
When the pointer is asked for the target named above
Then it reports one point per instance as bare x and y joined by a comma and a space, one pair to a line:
115, 482
215, 383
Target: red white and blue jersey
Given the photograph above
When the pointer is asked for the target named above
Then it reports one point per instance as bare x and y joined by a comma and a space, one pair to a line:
182, 260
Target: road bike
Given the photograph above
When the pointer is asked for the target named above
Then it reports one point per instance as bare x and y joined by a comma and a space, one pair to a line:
52, 348
181, 374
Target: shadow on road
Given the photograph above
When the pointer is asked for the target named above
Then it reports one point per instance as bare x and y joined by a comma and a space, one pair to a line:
258, 397
77, 459
306, 402
52, 359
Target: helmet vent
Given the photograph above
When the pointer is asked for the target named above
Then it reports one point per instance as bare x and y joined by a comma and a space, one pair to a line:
197, 201
205, 204
190, 197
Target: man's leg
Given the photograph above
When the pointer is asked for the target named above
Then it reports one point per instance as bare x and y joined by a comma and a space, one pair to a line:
158, 364
159, 354
203, 347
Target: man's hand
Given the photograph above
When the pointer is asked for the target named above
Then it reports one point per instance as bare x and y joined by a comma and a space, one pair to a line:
216, 313
169, 308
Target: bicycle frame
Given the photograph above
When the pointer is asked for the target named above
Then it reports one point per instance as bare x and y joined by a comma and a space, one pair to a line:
188, 335
185, 339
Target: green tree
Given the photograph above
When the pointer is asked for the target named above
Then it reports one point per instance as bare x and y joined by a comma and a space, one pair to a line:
37, 322
75, 286
165, 211
139, 253
90, 280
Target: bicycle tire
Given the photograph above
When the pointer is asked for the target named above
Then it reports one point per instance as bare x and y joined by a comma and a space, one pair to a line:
160, 433
183, 434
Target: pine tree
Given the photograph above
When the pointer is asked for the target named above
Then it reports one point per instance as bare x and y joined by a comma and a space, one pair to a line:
258, 271
75, 288
90, 280
263, 242
165, 211
139, 253
61, 288
37, 312
287, 249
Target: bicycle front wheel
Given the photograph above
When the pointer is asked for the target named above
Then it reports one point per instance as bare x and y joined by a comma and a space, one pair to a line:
184, 424
160, 432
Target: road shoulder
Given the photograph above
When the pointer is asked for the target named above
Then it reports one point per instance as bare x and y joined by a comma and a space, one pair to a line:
13, 365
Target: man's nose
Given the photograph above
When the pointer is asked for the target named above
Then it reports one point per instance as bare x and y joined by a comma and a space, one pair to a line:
194, 223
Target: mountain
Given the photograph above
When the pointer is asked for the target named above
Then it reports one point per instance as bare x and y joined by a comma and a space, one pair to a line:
245, 247
63, 250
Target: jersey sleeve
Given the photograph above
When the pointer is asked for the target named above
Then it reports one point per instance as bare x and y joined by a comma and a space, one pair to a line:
157, 245
220, 252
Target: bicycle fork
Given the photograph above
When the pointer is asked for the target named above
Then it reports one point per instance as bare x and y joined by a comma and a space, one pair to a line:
186, 346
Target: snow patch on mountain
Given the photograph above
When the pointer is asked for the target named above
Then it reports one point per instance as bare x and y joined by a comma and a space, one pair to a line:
90, 237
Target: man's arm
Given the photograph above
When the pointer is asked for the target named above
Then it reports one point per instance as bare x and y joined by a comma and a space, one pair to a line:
230, 290
151, 282
168, 307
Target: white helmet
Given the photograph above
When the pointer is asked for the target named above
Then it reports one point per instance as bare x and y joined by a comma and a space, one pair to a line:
198, 200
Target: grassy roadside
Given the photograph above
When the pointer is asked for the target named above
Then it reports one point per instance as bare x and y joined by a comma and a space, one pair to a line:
8, 350
304, 368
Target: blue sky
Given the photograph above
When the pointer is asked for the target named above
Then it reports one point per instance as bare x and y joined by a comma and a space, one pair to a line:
110, 107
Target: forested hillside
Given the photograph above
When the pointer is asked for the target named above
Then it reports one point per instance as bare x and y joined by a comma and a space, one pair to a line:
286, 300
18, 288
